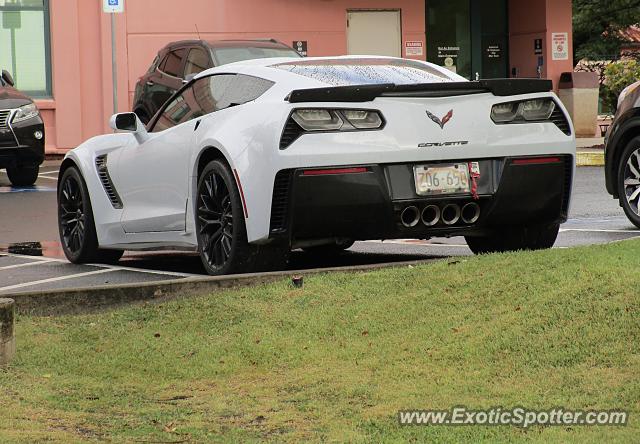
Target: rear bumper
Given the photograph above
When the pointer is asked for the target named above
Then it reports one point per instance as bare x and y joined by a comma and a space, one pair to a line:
368, 205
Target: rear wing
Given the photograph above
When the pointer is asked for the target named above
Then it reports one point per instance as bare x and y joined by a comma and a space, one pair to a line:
367, 93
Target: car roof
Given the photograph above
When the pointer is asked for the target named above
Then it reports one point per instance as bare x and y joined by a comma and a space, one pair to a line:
256, 43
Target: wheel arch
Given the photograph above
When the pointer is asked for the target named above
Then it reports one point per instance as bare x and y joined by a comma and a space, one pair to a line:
207, 155
67, 163
628, 130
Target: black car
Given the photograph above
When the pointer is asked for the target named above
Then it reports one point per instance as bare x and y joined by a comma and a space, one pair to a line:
181, 60
622, 153
21, 134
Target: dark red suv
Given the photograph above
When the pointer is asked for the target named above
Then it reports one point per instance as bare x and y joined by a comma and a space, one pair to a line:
180, 60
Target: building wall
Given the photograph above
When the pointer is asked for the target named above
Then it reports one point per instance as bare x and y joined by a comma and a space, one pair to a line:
81, 44
539, 19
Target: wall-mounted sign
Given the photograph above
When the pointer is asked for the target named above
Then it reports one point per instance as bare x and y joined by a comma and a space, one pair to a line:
448, 56
301, 47
537, 47
414, 48
448, 51
493, 51
113, 6
11, 20
560, 45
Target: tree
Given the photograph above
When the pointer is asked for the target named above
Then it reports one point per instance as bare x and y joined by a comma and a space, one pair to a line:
597, 25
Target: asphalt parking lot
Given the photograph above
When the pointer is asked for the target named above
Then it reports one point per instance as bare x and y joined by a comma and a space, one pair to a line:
31, 258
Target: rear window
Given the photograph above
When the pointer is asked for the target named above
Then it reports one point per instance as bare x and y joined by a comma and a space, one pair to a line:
231, 55
365, 71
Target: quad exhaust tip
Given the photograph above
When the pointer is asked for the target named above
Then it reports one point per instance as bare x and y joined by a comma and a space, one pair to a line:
431, 215
410, 217
470, 213
450, 214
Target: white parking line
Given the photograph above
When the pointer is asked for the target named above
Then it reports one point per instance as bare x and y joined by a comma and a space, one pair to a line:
56, 279
47, 177
43, 260
37, 258
598, 230
144, 270
50, 172
28, 264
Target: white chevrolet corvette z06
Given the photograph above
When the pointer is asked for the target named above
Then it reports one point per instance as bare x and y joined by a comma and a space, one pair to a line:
251, 160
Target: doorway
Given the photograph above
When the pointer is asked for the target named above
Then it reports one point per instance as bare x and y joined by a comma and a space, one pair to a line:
469, 37
374, 33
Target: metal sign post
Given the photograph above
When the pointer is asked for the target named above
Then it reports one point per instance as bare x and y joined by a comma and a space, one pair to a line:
113, 7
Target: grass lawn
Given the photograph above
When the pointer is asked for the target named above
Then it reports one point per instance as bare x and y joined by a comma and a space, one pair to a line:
336, 360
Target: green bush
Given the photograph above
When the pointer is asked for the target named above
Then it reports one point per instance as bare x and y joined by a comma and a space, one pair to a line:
618, 75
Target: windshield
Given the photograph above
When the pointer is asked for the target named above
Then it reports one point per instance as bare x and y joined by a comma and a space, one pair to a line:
365, 71
237, 54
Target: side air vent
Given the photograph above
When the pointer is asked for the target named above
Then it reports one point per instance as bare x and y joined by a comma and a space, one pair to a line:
560, 120
103, 173
280, 201
290, 133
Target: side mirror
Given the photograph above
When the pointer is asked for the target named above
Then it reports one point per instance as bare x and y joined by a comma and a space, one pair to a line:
7, 78
129, 122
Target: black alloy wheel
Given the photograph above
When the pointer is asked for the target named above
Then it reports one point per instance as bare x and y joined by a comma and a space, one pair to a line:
215, 216
221, 230
75, 222
72, 215
221, 227
629, 181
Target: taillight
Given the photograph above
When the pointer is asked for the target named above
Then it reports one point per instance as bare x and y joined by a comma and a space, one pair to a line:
315, 120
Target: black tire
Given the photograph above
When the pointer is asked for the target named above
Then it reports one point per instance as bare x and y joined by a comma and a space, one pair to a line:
220, 223
630, 158
329, 249
539, 237
23, 176
75, 222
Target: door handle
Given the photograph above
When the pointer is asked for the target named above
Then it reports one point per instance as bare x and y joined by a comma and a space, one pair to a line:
150, 83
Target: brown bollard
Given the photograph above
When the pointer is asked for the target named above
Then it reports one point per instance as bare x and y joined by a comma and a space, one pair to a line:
7, 336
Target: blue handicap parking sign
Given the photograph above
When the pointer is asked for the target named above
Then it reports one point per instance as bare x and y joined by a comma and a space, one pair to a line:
113, 2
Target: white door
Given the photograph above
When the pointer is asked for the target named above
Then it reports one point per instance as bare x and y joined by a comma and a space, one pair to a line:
153, 181
374, 33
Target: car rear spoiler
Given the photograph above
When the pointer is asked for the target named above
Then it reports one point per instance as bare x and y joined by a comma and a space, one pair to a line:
367, 93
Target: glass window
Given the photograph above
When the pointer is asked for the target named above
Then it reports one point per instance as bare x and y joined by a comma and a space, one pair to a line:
247, 88
181, 109
197, 62
449, 35
365, 71
24, 44
237, 54
208, 95
173, 62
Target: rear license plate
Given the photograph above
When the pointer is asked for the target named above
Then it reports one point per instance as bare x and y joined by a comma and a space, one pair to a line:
442, 179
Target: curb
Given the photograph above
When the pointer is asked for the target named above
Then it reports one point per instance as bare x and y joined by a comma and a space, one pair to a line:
91, 299
590, 158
